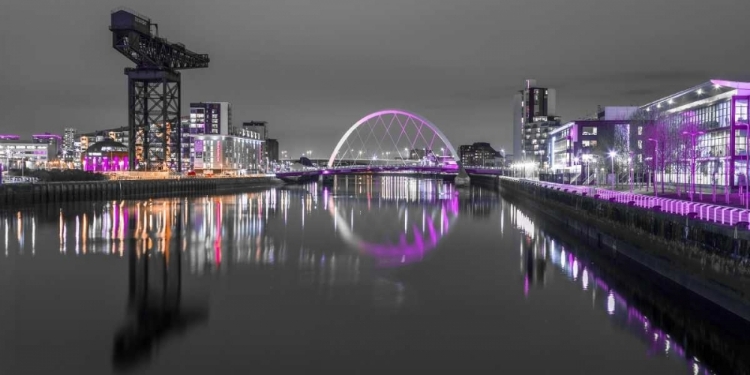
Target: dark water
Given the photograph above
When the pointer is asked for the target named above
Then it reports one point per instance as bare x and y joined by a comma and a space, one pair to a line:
392, 274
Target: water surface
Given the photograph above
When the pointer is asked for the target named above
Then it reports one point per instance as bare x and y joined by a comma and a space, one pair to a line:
368, 275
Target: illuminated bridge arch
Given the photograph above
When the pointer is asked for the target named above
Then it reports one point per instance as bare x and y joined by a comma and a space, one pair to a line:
392, 136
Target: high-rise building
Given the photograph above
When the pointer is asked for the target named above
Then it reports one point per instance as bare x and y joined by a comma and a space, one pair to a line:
210, 118
69, 138
534, 117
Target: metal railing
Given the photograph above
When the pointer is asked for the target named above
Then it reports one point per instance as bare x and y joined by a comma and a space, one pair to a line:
704, 211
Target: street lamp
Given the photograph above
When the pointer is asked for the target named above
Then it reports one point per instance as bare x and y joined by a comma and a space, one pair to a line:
612, 155
656, 155
630, 171
692, 135
587, 159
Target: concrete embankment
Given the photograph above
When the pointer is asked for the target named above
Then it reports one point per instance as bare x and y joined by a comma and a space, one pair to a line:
708, 258
44, 193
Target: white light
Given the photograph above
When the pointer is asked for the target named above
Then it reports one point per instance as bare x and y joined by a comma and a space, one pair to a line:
585, 279
700, 91
610, 304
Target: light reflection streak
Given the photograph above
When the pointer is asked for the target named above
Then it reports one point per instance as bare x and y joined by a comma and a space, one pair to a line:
615, 305
413, 243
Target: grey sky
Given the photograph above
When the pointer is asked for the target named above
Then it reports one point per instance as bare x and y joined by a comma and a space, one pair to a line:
313, 68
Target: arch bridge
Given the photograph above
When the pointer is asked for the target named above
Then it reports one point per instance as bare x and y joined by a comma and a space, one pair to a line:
388, 141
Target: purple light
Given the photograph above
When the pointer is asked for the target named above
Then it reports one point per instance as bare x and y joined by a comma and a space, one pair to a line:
46, 136
394, 112
10, 137
404, 252
105, 164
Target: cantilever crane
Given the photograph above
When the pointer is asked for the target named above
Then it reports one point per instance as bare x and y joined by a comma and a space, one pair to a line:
154, 90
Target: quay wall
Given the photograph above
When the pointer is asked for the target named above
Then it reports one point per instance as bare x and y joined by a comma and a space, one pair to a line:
710, 259
12, 195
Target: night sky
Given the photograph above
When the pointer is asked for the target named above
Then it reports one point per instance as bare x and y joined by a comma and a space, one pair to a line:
313, 68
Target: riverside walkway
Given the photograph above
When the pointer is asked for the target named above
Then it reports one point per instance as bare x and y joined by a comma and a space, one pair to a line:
717, 213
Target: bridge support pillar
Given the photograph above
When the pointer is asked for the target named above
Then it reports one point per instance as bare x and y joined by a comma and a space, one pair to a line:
462, 179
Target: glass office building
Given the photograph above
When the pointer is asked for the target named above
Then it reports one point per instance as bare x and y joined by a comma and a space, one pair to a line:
708, 124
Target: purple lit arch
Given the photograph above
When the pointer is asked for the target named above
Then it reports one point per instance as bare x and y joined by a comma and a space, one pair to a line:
417, 120
403, 252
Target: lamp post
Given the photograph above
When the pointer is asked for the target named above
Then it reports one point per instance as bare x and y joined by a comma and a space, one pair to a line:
586, 158
692, 135
630, 171
612, 155
656, 155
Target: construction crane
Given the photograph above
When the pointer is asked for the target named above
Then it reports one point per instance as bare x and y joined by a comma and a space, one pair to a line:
154, 90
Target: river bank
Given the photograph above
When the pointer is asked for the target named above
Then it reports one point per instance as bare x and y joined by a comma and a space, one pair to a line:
12, 195
707, 258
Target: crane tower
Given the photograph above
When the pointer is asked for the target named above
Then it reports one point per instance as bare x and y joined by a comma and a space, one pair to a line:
154, 90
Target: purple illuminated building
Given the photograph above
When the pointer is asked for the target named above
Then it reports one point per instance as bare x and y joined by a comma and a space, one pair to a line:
10, 137
717, 112
105, 156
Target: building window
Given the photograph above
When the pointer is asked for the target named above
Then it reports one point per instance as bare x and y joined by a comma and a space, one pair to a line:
589, 130
640, 130
740, 111
640, 144
588, 143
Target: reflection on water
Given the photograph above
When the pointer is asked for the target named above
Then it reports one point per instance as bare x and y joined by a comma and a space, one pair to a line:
361, 242
155, 309
643, 320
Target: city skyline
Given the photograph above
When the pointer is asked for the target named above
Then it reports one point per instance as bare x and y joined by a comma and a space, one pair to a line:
312, 71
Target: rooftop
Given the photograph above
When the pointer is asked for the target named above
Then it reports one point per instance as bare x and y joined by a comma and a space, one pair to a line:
713, 89
107, 145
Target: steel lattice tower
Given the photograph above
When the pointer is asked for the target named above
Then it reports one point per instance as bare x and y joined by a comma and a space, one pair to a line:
154, 91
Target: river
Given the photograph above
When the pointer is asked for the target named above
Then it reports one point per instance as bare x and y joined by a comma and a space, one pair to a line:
368, 275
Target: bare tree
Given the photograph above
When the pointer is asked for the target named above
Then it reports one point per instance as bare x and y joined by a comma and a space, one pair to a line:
661, 143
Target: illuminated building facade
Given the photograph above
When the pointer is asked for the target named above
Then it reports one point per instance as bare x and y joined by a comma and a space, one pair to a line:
707, 124
236, 153
480, 154
534, 118
105, 156
29, 155
210, 118
53, 140
69, 149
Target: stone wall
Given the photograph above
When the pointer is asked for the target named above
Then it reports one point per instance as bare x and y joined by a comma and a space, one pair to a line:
12, 195
708, 258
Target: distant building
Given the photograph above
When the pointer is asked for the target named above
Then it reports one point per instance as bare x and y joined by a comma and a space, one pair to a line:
271, 146
480, 154
10, 137
105, 156
534, 118
69, 138
210, 118
258, 126
236, 153
419, 153
261, 127
18, 154
53, 140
